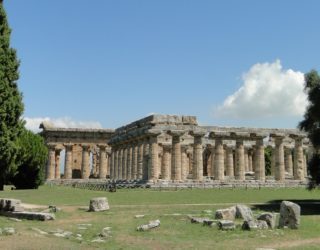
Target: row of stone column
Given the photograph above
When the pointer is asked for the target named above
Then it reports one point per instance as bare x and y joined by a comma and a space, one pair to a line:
53, 166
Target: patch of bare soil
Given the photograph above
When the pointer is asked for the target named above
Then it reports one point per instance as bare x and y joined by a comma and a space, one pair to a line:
294, 243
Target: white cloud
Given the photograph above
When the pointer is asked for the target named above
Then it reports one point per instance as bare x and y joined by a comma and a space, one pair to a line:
62, 122
267, 91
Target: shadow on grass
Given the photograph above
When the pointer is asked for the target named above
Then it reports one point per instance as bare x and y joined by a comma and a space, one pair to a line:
308, 207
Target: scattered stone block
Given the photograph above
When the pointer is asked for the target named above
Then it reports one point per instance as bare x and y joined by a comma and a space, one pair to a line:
98, 240
98, 204
254, 225
10, 205
32, 215
105, 233
8, 231
270, 218
208, 222
39, 231
15, 219
226, 214
289, 215
244, 212
199, 219
139, 216
226, 225
151, 225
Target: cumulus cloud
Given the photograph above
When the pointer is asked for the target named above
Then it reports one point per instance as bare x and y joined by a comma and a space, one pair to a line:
267, 91
62, 122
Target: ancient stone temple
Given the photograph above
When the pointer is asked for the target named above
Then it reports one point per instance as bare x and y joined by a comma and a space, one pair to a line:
175, 149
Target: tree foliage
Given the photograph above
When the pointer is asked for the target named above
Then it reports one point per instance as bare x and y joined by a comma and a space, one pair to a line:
11, 106
267, 159
30, 161
311, 121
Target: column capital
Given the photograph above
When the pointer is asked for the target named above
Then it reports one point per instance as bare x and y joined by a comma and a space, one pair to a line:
52, 146
197, 133
176, 132
219, 135
102, 145
68, 145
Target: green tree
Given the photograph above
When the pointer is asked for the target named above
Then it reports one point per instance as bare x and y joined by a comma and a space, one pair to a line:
267, 159
311, 122
30, 161
11, 106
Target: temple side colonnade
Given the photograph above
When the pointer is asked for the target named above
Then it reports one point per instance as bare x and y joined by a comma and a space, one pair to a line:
166, 148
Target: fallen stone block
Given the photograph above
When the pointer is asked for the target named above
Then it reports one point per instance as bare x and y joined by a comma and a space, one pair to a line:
244, 212
289, 215
226, 225
226, 214
270, 218
8, 231
254, 225
199, 219
10, 205
98, 204
151, 225
31, 215
208, 222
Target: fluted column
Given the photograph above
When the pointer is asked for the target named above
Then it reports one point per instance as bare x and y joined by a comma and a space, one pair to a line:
116, 155
146, 159
112, 164
154, 158
85, 166
240, 173
135, 161
260, 171
273, 162
140, 160
184, 162
176, 155
246, 160
250, 160
166, 162
279, 157
102, 161
213, 167
50, 173
129, 162
120, 157
197, 155
305, 163
288, 161
68, 161
124, 163
298, 169
209, 160
57, 163
219, 159
229, 163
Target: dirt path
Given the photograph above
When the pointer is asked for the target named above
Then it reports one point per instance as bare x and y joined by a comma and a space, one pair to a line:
294, 243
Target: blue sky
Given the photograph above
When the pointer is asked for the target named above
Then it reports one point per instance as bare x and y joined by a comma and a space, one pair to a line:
107, 63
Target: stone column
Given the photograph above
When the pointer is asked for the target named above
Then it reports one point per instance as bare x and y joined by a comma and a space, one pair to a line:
250, 160
154, 158
129, 162
288, 161
273, 162
124, 163
209, 162
176, 155
112, 164
68, 161
57, 163
166, 162
51, 162
85, 166
298, 169
239, 173
229, 163
246, 159
145, 159
116, 155
135, 161
184, 162
197, 155
305, 163
102, 161
140, 160
279, 157
219, 159
260, 171
120, 157
213, 167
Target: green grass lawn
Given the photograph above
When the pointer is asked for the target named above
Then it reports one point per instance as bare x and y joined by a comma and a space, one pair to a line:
172, 208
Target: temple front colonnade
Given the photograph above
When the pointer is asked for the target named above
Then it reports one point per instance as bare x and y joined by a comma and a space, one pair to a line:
169, 148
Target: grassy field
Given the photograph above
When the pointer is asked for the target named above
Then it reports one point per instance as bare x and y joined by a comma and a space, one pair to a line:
172, 208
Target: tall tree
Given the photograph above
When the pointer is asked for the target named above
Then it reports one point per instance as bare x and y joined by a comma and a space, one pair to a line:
11, 106
30, 161
311, 122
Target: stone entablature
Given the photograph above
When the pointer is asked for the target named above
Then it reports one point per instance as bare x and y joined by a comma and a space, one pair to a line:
176, 149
